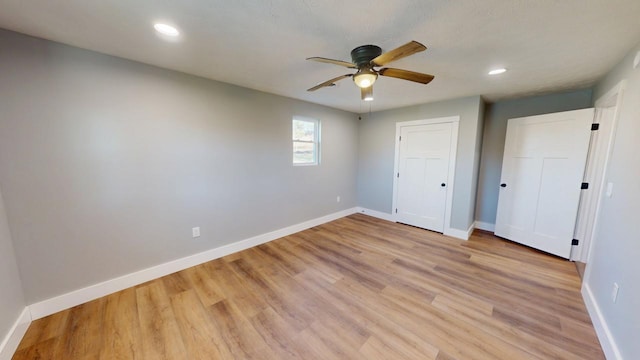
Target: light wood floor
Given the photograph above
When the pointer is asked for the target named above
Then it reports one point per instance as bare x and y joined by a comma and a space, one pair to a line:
355, 288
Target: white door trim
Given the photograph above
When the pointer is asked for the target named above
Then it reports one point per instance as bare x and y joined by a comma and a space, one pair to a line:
454, 120
611, 98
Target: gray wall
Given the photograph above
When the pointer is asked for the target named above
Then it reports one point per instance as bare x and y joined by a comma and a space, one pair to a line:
11, 299
377, 148
471, 215
616, 247
495, 130
107, 164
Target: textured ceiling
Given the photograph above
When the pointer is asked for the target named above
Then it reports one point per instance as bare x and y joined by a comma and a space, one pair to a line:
547, 45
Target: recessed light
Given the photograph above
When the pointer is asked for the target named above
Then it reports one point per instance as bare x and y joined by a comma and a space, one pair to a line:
497, 71
165, 29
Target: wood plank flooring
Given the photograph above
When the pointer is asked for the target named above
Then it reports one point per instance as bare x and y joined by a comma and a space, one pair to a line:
355, 288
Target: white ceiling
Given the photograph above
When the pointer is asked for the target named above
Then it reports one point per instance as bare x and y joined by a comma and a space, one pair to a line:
547, 45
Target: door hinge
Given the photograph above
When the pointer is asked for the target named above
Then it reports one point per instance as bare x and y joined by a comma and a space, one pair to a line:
400, 138
575, 242
595, 127
584, 186
396, 210
398, 175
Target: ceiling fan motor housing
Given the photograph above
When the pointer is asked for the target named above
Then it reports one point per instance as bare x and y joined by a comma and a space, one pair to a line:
362, 55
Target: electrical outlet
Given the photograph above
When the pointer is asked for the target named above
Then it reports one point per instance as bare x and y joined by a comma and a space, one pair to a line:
195, 232
338, 199
614, 293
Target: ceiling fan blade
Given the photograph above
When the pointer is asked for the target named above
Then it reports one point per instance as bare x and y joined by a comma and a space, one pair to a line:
331, 61
405, 50
329, 82
406, 75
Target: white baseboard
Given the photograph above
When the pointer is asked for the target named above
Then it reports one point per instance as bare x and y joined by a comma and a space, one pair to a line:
80, 296
14, 336
485, 226
460, 234
377, 214
607, 341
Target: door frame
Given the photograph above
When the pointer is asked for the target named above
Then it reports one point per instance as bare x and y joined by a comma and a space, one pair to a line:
455, 121
583, 252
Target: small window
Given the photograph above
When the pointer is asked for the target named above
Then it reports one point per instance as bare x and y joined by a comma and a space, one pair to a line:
306, 141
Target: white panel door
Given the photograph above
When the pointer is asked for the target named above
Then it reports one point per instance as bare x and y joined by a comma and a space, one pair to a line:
423, 170
542, 170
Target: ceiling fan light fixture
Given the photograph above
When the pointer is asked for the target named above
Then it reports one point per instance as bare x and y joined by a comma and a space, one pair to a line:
365, 77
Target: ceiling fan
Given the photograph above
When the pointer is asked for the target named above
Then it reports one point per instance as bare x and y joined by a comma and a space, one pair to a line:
366, 58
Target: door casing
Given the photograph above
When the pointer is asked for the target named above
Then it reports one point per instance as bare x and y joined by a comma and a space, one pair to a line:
588, 216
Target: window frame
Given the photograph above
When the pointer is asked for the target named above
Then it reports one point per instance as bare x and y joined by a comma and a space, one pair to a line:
315, 141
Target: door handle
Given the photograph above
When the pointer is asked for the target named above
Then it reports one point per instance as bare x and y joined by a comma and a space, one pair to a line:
503, 185
443, 184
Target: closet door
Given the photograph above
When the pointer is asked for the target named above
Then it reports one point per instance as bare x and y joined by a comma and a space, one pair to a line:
424, 162
542, 170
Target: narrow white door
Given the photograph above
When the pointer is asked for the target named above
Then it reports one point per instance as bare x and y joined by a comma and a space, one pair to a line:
423, 169
542, 170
